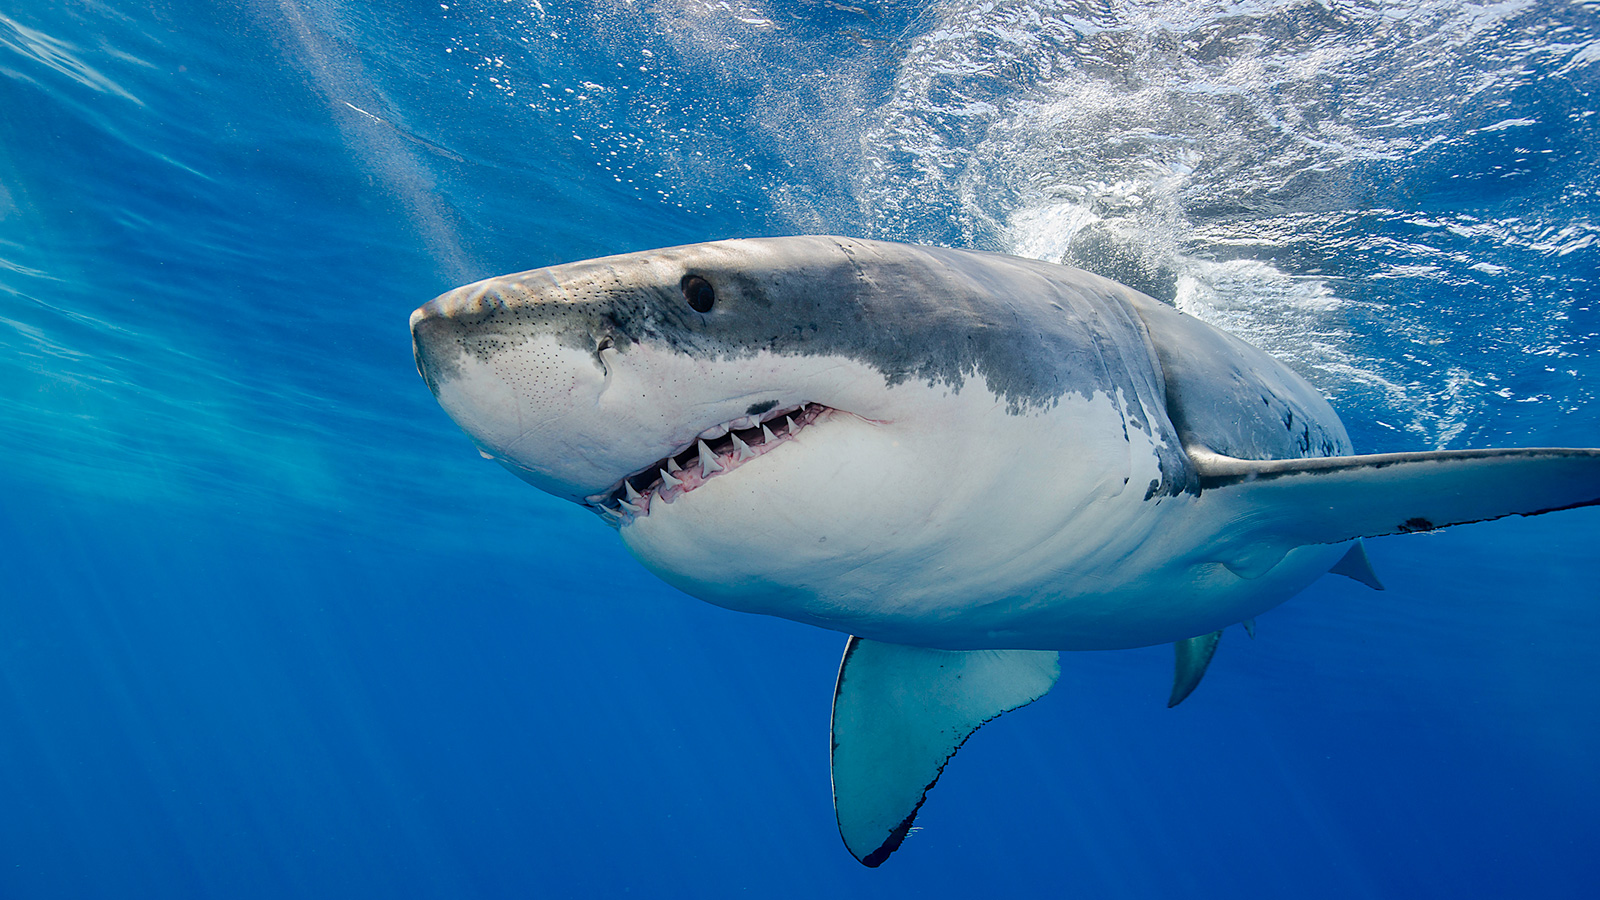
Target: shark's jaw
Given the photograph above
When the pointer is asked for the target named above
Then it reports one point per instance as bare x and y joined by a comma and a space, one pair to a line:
714, 453
818, 483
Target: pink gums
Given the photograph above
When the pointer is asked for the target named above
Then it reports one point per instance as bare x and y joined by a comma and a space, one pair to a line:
725, 454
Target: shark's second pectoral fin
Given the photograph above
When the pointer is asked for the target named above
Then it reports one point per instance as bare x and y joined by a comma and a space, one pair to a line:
900, 713
1193, 655
1329, 500
1356, 566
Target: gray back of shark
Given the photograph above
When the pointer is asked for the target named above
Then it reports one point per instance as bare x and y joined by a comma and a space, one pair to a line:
1036, 332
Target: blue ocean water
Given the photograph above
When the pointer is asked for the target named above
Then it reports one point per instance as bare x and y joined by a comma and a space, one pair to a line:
269, 627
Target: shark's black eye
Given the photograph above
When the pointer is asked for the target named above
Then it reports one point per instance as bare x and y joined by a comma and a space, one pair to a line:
698, 292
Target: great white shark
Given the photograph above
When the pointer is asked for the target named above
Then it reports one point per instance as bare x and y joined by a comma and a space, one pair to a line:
966, 461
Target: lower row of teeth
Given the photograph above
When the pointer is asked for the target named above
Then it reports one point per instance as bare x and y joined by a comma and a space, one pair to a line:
676, 479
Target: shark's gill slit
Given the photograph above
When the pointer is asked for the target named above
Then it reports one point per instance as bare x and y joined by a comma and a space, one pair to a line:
715, 452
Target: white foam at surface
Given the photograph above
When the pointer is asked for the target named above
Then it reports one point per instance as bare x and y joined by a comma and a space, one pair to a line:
1195, 136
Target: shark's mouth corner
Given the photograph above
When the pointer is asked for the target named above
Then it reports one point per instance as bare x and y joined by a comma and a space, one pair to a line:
715, 452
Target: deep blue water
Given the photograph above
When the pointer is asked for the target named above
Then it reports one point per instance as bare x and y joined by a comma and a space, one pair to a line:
269, 627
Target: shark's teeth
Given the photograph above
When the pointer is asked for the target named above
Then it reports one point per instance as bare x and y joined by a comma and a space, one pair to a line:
708, 461
673, 476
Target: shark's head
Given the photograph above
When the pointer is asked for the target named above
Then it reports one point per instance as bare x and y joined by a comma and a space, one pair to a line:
749, 413
591, 378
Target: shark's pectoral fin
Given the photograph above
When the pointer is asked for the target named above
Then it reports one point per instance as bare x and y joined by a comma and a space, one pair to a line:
1340, 498
900, 713
1355, 565
1193, 655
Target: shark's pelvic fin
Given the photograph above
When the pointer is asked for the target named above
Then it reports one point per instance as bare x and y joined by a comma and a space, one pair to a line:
900, 713
1249, 628
1355, 565
1329, 500
1193, 655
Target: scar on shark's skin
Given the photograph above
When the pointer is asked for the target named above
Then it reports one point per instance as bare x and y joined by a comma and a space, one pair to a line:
968, 461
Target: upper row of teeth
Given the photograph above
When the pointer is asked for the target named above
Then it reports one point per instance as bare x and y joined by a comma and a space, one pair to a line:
739, 424
705, 460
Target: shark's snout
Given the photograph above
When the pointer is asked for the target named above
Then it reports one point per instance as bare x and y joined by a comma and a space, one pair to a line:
519, 370
439, 344
453, 325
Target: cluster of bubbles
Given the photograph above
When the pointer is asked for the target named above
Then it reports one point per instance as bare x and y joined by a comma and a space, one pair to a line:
1323, 179
696, 104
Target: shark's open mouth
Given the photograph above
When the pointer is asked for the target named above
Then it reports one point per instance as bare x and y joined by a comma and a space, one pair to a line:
715, 452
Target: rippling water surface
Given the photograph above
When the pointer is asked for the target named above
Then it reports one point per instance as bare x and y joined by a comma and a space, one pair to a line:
269, 627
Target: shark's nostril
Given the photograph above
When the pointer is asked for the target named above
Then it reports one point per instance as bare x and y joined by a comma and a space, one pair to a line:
600, 349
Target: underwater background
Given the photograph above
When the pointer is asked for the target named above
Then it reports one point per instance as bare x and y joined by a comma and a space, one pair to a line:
269, 627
